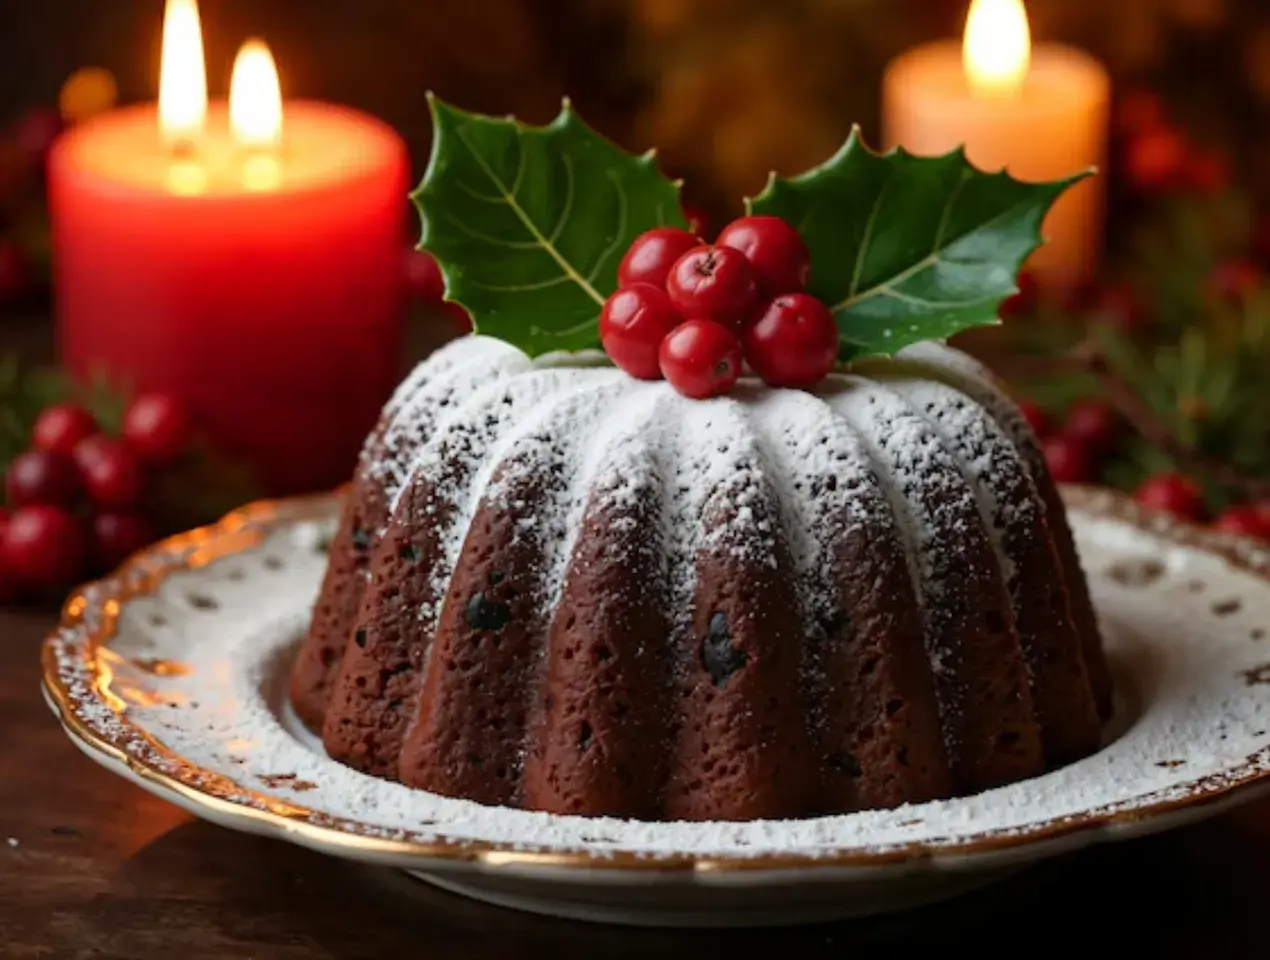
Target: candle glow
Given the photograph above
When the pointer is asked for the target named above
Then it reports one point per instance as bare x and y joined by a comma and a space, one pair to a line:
182, 74
996, 48
255, 98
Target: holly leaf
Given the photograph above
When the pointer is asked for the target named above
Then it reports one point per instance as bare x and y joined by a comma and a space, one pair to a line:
906, 248
529, 223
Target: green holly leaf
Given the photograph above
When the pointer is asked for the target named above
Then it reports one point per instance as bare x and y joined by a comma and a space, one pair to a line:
907, 248
529, 223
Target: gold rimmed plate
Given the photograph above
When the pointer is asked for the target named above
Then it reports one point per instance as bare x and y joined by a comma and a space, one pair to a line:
173, 673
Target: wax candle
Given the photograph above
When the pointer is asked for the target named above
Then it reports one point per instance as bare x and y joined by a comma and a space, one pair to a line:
242, 256
1039, 111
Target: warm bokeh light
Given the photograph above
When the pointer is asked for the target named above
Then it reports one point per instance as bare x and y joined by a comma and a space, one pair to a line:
255, 98
997, 47
182, 74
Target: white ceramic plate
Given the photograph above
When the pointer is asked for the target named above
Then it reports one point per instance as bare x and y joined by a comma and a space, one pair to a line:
172, 673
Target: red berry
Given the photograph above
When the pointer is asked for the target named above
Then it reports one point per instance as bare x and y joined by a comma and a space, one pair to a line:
43, 547
42, 476
15, 273
1068, 460
791, 342
117, 536
59, 428
1119, 306
1173, 493
634, 322
1245, 520
35, 131
1037, 419
713, 283
652, 254
461, 319
423, 277
698, 222
1092, 423
1154, 160
1206, 172
110, 471
778, 256
1235, 280
1139, 111
157, 427
701, 358
1025, 301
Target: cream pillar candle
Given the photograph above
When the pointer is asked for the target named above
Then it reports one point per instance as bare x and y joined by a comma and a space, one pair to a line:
1041, 112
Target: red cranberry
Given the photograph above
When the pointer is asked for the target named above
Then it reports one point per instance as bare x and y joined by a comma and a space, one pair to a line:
634, 322
42, 476
423, 277
110, 472
1025, 301
461, 319
652, 254
1068, 460
778, 256
1245, 520
117, 536
157, 427
1120, 307
701, 358
1173, 493
1139, 111
1154, 160
1037, 419
43, 547
1206, 172
1093, 423
59, 428
698, 222
34, 133
792, 342
1235, 280
713, 283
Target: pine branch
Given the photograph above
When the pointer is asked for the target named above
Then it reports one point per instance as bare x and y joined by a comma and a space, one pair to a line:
1089, 358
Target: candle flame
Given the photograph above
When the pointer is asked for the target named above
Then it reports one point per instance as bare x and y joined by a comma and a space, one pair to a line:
255, 98
997, 47
182, 74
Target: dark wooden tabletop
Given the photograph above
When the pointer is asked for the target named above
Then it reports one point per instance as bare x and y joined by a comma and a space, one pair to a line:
91, 866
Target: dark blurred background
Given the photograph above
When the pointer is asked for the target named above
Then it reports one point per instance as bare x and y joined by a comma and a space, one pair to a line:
727, 89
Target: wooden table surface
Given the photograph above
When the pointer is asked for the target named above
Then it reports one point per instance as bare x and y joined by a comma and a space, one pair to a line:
91, 866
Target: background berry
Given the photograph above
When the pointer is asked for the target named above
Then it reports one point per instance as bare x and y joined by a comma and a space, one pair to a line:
43, 547
42, 476
1174, 494
157, 427
1068, 460
111, 474
117, 536
60, 428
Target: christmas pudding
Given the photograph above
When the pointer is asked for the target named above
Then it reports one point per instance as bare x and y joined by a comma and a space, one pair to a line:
773, 551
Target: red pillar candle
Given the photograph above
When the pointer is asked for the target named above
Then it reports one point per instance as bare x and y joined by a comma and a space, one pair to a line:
256, 276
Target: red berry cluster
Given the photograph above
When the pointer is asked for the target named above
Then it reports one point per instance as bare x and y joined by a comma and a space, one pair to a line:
75, 498
1075, 449
692, 312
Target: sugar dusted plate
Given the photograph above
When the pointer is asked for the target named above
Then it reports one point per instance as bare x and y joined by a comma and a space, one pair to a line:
172, 673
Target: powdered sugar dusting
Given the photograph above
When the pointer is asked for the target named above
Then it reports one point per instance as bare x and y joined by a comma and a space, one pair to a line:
200, 698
